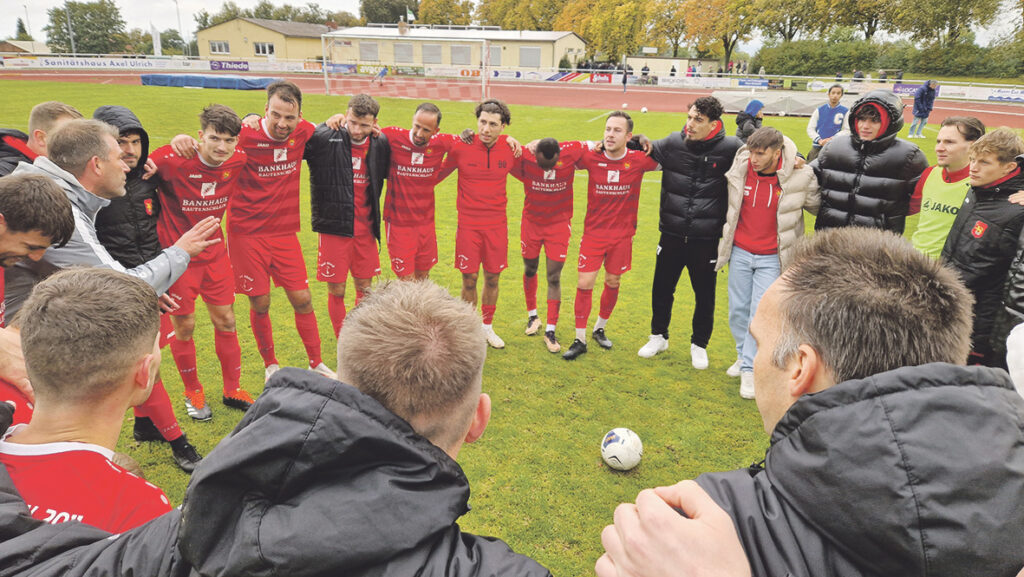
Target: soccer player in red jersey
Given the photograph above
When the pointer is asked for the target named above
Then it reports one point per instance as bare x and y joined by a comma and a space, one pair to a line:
34, 214
191, 190
263, 222
547, 175
90, 342
613, 198
482, 235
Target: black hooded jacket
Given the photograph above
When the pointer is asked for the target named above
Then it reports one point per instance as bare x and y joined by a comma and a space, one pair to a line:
694, 192
318, 479
917, 471
984, 245
746, 125
127, 227
10, 155
868, 183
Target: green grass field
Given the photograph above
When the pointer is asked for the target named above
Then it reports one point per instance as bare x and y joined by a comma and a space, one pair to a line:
537, 476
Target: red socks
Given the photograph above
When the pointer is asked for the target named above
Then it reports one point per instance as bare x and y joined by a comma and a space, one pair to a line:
264, 334
487, 312
530, 289
553, 312
184, 353
157, 408
305, 323
336, 310
608, 299
584, 302
230, 355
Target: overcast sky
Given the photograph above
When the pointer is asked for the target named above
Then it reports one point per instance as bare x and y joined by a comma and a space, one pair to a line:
162, 14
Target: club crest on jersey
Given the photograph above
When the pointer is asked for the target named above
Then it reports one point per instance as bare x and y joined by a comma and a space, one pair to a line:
417, 158
979, 229
209, 189
626, 165
225, 175
549, 174
148, 204
613, 176
357, 163
327, 269
291, 142
280, 154
559, 164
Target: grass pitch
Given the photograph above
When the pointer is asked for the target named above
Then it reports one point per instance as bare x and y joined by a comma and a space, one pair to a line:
537, 476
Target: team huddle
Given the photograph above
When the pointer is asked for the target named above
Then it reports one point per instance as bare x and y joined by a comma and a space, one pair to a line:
106, 245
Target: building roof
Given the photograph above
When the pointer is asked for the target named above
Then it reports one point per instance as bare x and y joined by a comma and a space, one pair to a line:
417, 33
295, 29
30, 46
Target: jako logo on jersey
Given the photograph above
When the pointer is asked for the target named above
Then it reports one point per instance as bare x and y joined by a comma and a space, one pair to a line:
613, 176
148, 204
195, 176
979, 229
417, 158
280, 154
209, 189
549, 175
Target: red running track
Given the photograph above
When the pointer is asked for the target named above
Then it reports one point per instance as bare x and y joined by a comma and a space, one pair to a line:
567, 95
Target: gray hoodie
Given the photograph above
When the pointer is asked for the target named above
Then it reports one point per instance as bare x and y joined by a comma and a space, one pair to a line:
84, 249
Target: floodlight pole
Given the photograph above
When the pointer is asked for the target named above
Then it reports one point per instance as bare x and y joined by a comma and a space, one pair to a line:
323, 63
71, 33
188, 49
28, 27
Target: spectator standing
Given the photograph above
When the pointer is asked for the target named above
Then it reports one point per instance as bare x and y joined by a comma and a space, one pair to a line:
826, 121
924, 102
749, 120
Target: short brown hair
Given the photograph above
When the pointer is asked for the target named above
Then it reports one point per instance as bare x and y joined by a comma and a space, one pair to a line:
495, 106
621, 114
430, 108
46, 114
765, 138
364, 105
419, 352
286, 91
221, 119
1004, 143
83, 329
31, 202
73, 145
869, 302
968, 126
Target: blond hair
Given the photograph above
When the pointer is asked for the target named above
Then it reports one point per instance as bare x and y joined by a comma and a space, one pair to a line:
76, 142
1004, 143
44, 116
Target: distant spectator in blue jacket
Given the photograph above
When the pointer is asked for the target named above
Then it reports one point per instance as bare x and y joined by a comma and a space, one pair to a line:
749, 120
924, 101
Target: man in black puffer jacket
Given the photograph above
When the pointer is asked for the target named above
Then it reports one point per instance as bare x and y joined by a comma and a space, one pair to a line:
985, 239
694, 200
867, 176
887, 457
320, 478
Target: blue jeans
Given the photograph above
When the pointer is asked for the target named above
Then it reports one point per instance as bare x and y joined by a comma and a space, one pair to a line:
749, 276
919, 122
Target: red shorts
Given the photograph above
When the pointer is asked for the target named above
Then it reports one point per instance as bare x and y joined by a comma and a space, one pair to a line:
211, 280
166, 330
554, 238
616, 253
416, 245
255, 259
337, 255
473, 247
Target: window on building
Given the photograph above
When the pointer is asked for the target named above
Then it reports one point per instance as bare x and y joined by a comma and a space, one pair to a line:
369, 51
495, 56
529, 57
431, 53
403, 53
219, 47
461, 54
264, 48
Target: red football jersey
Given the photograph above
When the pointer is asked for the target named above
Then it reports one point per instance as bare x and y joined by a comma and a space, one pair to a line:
360, 184
78, 482
549, 192
3, 304
613, 193
191, 190
482, 174
267, 202
410, 196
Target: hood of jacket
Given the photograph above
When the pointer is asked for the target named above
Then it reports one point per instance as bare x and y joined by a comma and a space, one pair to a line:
916, 471
85, 201
320, 479
891, 104
126, 121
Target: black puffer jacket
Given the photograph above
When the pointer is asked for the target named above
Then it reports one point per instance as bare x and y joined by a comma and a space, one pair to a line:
127, 226
917, 471
868, 183
328, 155
316, 480
10, 156
746, 125
986, 237
694, 193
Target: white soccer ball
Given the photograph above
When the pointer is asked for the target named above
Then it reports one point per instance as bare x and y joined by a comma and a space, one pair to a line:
625, 105
643, 110
621, 449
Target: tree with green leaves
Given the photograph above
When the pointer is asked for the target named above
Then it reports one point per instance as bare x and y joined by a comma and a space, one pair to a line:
945, 21
455, 12
22, 31
868, 16
617, 27
97, 27
386, 11
515, 15
787, 20
311, 13
667, 24
575, 16
722, 22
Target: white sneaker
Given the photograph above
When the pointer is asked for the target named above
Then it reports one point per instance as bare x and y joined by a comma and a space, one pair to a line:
699, 357
493, 339
655, 344
734, 369
269, 371
747, 385
325, 371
